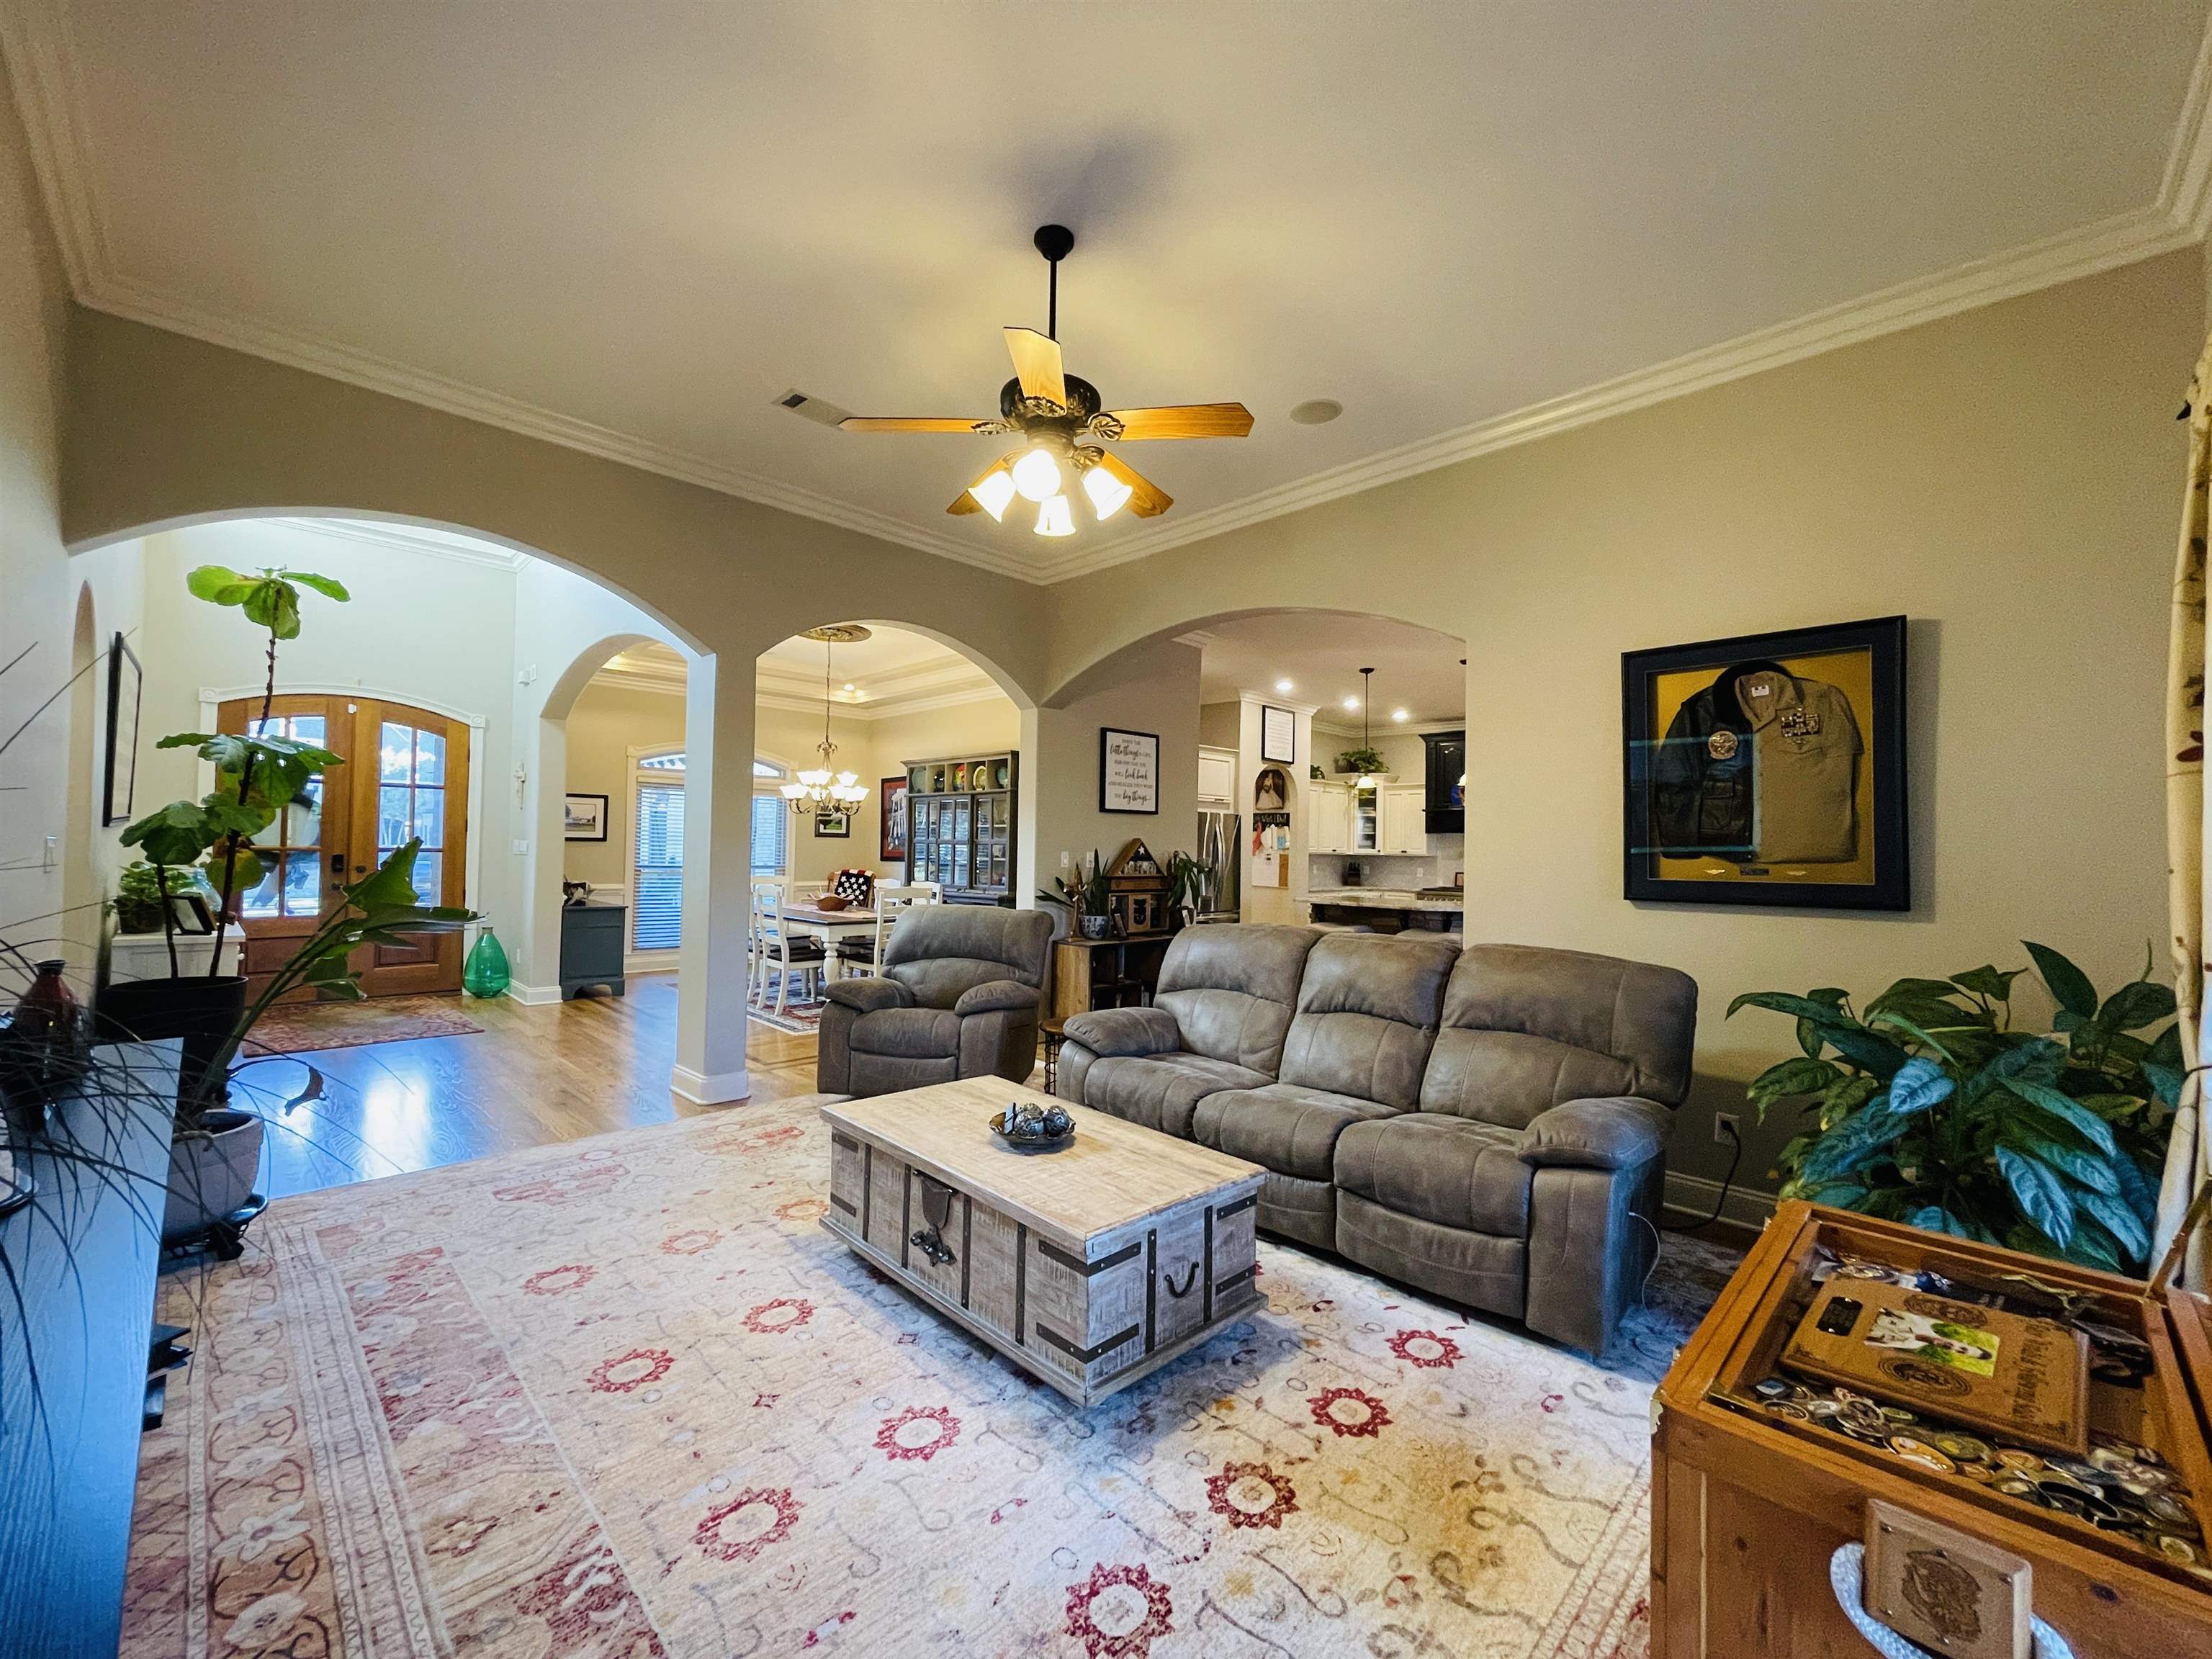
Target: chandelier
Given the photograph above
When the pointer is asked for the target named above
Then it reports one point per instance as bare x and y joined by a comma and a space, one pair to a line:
824, 788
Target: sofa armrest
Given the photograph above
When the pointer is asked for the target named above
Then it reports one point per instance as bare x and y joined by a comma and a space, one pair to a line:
1133, 1032
866, 996
997, 995
1613, 1134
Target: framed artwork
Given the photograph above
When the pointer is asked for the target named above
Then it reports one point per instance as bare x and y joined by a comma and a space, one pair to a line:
1768, 769
1128, 771
1278, 735
892, 848
125, 679
833, 826
584, 818
1271, 792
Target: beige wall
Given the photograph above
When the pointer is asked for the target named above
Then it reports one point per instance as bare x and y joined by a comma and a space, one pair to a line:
2008, 477
606, 725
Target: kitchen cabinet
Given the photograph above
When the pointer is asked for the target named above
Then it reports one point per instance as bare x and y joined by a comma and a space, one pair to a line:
1446, 756
1329, 818
1402, 819
1216, 777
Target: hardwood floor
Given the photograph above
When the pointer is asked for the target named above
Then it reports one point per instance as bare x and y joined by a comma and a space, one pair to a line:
531, 1077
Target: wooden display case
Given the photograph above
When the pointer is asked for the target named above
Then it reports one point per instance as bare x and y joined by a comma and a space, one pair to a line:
961, 817
1748, 1507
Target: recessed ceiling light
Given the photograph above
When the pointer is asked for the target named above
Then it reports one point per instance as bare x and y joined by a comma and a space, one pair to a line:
1317, 411
848, 685
1399, 714
1352, 702
1282, 686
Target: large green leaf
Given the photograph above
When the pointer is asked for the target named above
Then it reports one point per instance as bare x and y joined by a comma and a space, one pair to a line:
1920, 1082
1850, 1146
1869, 1049
1795, 1076
1934, 1219
2118, 1219
392, 884
211, 579
2093, 1247
2066, 1110
1909, 990
2135, 1005
2069, 986
2041, 1196
2084, 1168
1785, 1002
323, 585
2033, 1054
1988, 982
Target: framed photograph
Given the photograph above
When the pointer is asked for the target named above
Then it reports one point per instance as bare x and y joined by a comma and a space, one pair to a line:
125, 679
833, 826
1278, 735
892, 847
191, 916
1128, 771
1768, 769
584, 818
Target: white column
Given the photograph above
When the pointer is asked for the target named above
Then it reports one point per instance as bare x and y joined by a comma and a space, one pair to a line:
718, 793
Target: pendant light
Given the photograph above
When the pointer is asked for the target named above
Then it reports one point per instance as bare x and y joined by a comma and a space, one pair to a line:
1366, 780
823, 788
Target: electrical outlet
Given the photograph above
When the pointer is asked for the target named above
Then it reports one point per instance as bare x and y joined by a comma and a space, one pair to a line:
1727, 1127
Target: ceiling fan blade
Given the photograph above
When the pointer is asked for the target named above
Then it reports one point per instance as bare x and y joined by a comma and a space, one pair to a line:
965, 501
1148, 500
902, 423
1037, 363
1184, 420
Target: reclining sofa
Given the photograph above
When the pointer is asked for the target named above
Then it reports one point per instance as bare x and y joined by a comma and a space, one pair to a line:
1489, 1124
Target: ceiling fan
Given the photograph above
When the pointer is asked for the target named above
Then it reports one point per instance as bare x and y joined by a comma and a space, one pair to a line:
1064, 426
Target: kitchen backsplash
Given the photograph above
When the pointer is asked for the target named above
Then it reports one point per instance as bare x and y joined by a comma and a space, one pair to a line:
1393, 870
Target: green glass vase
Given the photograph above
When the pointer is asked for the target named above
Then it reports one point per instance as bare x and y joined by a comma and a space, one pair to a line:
485, 973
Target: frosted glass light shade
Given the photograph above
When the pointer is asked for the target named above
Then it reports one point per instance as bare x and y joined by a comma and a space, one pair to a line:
1108, 495
993, 492
1037, 476
1054, 518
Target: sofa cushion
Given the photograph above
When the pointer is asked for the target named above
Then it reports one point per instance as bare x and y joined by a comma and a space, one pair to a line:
1162, 1092
1368, 1007
1442, 1169
1526, 1028
1282, 1127
1232, 989
910, 1033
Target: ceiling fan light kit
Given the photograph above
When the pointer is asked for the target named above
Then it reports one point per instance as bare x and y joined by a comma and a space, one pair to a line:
1064, 426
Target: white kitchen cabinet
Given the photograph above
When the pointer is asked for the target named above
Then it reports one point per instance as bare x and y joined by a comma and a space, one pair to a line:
1216, 777
1329, 818
1403, 815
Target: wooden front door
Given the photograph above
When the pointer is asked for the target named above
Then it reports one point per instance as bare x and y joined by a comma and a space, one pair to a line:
406, 772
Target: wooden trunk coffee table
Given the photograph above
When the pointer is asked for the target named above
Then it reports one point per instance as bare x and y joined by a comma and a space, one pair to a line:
1089, 1265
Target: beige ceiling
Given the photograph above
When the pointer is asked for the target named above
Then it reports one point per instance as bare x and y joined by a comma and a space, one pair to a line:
894, 671
1321, 652
631, 228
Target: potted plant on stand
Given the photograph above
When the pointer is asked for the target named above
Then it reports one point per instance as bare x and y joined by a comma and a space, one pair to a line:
1088, 895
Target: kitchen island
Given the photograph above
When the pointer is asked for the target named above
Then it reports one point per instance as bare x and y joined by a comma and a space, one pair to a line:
1391, 909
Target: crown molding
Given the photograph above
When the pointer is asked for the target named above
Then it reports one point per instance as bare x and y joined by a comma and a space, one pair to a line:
35, 38
402, 538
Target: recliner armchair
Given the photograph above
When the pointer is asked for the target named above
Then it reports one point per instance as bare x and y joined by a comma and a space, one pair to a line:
957, 996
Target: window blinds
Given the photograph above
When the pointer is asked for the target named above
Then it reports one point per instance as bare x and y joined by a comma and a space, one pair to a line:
656, 889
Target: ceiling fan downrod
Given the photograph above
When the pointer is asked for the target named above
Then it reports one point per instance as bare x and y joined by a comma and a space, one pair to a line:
1055, 242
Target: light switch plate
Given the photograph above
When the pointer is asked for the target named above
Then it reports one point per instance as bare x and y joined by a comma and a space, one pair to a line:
1944, 1589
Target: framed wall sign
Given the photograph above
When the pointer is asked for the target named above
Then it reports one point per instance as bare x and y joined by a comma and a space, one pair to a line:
124, 681
1768, 769
584, 818
892, 850
1128, 771
1278, 735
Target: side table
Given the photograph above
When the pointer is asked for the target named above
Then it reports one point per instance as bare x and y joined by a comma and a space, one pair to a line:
1054, 1032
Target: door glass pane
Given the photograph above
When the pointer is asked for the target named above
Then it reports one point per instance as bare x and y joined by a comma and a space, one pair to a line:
309, 728
395, 752
262, 900
430, 757
303, 883
430, 817
428, 868
303, 819
392, 815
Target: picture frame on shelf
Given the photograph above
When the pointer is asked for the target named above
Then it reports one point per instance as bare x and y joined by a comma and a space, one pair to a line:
584, 818
1768, 769
1278, 735
125, 685
1128, 771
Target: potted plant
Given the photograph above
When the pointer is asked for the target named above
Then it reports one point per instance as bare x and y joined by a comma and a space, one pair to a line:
1930, 1107
1365, 762
1089, 895
1186, 884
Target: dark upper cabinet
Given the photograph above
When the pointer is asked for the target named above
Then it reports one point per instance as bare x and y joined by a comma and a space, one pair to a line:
1446, 797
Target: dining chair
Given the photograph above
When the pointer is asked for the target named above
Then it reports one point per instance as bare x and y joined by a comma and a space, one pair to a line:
890, 900
777, 952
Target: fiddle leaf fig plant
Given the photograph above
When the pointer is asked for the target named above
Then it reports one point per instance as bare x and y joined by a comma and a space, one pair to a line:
1930, 1106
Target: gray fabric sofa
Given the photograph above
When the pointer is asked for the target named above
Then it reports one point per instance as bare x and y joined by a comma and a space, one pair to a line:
1488, 1123
957, 996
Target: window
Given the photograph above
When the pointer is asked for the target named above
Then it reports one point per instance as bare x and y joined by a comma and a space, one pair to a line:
291, 849
771, 819
656, 888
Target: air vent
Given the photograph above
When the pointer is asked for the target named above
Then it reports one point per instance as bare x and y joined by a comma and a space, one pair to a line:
814, 409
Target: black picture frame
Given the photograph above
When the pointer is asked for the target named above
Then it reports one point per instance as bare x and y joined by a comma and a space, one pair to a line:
1128, 772
569, 834
892, 835
1278, 735
125, 685
1883, 729
833, 826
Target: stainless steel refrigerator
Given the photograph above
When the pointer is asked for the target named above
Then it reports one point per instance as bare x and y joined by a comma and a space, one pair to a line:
1221, 850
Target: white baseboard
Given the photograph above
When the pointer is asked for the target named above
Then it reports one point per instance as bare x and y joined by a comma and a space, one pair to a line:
703, 1090
1696, 1195
534, 996
648, 961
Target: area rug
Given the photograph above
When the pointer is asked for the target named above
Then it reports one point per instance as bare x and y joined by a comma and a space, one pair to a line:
799, 1019
304, 1027
623, 1397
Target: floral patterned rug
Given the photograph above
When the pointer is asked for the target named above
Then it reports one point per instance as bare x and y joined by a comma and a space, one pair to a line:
625, 1397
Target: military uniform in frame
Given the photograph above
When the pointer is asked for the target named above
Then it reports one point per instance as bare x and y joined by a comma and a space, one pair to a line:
1759, 767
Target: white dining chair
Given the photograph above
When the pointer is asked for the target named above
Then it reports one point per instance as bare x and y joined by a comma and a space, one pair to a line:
777, 953
890, 900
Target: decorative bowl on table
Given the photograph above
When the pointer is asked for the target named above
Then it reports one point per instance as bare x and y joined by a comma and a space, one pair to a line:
831, 902
1027, 1124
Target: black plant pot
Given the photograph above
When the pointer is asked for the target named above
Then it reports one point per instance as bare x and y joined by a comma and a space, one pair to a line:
200, 1010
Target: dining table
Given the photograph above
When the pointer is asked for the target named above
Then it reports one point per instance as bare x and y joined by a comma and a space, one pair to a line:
830, 927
